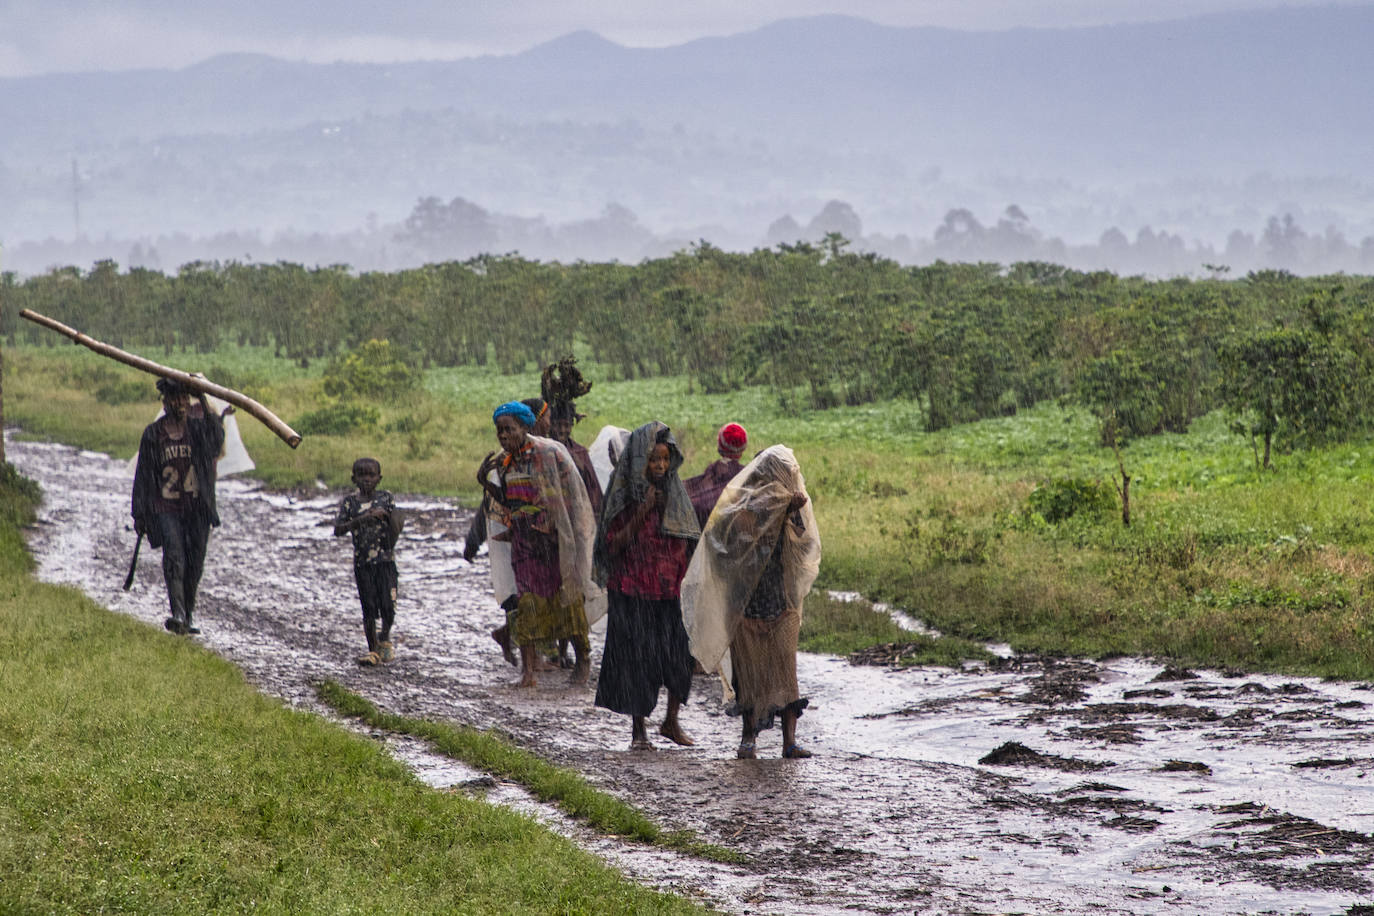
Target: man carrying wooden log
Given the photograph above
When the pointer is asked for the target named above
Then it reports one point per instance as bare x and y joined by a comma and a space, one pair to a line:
174, 493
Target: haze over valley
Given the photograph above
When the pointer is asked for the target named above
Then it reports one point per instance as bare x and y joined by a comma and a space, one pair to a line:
1234, 140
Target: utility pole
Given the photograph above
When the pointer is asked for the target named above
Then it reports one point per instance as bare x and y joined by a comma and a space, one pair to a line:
76, 199
6, 281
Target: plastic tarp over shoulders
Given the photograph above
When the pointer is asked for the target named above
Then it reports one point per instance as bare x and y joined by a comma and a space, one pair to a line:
564, 498
234, 459
498, 550
739, 538
605, 451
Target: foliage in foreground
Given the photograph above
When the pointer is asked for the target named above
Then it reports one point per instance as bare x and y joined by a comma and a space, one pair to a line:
143, 774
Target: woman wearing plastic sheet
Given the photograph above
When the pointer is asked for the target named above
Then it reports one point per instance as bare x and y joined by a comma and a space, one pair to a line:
647, 525
550, 525
743, 592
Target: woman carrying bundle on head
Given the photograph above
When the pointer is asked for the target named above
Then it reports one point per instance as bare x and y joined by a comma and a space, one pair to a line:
550, 527
757, 559
562, 384
646, 526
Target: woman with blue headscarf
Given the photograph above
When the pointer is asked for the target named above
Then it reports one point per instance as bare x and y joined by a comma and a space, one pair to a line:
543, 504
647, 524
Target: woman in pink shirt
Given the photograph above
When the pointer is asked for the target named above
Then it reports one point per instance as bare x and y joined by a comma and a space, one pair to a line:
647, 525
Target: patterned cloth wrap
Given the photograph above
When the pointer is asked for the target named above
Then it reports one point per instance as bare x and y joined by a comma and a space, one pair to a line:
551, 487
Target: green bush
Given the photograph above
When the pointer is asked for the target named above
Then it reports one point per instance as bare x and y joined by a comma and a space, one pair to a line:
943, 537
338, 420
125, 392
950, 539
1057, 500
376, 369
238, 380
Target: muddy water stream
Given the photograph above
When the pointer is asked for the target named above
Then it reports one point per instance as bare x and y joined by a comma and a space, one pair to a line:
1029, 785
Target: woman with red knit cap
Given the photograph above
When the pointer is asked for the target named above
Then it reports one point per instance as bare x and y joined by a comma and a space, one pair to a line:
705, 488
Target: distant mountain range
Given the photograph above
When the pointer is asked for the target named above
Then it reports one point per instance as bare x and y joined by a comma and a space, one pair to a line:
893, 120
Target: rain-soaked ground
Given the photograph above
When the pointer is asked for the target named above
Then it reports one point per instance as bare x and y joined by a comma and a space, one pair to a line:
1031, 785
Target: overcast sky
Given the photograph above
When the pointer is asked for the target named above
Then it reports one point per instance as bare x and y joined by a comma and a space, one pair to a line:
47, 36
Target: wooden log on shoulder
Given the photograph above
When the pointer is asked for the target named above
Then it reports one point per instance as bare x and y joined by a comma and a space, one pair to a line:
195, 383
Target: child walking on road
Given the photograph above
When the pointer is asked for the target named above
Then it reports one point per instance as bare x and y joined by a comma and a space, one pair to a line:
375, 523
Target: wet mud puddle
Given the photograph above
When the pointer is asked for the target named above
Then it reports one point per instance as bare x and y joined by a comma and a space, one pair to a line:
1029, 785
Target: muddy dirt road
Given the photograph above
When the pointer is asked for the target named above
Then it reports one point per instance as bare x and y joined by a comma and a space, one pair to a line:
1032, 785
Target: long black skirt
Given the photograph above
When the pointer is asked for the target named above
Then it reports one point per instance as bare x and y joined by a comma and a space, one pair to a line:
646, 649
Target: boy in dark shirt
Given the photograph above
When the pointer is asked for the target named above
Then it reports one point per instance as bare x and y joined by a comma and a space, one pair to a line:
375, 523
174, 493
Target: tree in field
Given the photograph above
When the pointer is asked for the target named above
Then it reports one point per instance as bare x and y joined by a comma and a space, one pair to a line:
195, 306
706, 338
1296, 384
793, 346
835, 217
1123, 394
959, 234
783, 231
1126, 398
448, 231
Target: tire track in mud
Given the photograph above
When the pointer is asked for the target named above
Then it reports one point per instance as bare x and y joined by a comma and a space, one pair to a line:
1133, 790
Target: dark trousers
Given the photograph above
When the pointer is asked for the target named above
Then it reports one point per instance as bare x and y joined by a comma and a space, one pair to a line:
183, 560
377, 592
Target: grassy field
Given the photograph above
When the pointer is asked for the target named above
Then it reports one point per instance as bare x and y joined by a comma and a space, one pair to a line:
1222, 565
143, 774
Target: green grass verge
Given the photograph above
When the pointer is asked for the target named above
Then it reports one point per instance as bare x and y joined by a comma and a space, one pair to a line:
142, 774
546, 782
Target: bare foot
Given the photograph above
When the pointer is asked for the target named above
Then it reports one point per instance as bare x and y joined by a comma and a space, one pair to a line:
674, 733
502, 637
581, 671
543, 664
527, 680
641, 744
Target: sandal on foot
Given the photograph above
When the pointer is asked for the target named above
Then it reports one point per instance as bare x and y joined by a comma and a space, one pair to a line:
796, 752
745, 751
384, 650
370, 660
641, 744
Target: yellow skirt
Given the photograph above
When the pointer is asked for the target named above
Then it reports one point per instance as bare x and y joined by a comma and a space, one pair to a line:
538, 620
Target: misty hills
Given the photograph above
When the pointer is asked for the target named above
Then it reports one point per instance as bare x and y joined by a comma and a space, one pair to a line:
730, 132
1231, 87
